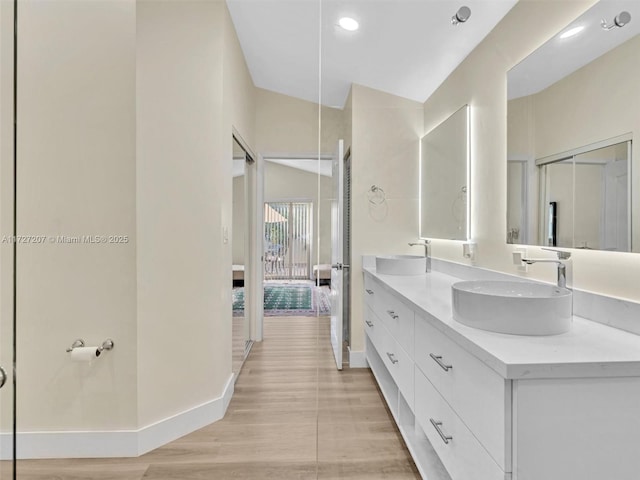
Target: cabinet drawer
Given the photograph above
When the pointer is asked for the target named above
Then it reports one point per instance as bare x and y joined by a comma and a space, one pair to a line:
463, 456
480, 396
399, 364
370, 288
397, 317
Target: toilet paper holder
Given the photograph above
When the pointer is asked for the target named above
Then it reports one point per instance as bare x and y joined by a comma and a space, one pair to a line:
106, 345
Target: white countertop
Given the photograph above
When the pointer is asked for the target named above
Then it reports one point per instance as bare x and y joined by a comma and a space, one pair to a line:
589, 349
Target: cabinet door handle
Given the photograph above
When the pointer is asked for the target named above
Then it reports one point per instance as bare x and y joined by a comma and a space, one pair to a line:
393, 314
369, 322
370, 292
392, 357
438, 360
437, 425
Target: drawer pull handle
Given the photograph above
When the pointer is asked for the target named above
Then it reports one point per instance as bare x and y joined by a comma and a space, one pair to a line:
369, 322
392, 357
370, 292
438, 360
393, 314
437, 425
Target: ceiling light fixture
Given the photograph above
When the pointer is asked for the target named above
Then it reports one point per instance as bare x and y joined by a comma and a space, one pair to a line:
620, 21
572, 31
348, 24
461, 16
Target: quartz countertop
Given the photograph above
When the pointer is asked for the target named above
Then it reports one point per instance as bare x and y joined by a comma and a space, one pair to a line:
589, 349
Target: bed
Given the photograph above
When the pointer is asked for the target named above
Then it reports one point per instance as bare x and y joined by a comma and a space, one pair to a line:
322, 273
238, 275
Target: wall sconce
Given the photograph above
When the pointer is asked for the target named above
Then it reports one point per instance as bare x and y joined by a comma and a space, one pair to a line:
461, 16
619, 21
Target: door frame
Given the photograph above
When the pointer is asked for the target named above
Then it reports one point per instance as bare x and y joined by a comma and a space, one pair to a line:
253, 271
258, 249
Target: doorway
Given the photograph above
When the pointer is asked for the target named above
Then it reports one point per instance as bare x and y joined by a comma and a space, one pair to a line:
287, 246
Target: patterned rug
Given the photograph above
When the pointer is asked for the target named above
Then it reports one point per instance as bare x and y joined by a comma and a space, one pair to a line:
288, 300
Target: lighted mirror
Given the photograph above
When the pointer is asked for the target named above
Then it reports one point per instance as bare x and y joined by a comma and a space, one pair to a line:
444, 187
573, 112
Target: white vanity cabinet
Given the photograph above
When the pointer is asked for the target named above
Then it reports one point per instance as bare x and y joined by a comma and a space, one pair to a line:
479, 402
463, 419
390, 327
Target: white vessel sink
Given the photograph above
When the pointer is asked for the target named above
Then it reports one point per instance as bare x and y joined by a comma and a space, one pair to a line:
518, 308
401, 264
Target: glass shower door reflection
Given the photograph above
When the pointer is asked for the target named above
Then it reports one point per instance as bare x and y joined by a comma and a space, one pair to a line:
7, 399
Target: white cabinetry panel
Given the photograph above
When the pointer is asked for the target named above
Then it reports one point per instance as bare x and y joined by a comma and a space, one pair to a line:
397, 317
577, 429
462, 455
479, 396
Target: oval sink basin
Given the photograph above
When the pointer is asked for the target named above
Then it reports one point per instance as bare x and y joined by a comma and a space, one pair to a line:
518, 308
401, 264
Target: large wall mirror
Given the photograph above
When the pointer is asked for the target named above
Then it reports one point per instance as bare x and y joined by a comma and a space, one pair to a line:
573, 178
444, 166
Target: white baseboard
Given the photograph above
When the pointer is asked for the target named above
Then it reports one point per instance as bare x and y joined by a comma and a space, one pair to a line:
358, 359
117, 443
169, 429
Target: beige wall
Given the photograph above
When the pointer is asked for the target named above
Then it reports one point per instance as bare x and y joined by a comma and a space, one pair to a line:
239, 119
287, 125
191, 94
481, 81
181, 322
386, 131
596, 102
77, 166
127, 111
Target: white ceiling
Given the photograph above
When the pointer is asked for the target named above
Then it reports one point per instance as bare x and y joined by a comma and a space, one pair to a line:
403, 47
560, 57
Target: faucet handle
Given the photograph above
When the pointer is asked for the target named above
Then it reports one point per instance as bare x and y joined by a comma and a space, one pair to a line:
562, 254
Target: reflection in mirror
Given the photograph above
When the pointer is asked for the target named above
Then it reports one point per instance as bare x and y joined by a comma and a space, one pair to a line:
585, 199
444, 164
573, 110
517, 200
240, 234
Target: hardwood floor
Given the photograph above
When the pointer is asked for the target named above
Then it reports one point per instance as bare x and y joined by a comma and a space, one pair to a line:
293, 416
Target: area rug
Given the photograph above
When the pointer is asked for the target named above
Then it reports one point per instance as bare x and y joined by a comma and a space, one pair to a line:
288, 300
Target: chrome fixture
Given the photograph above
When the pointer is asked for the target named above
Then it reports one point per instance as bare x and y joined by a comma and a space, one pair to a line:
427, 252
436, 424
438, 360
376, 195
619, 21
106, 345
562, 267
77, 344
461, 16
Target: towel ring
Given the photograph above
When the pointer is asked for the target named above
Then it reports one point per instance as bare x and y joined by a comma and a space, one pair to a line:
376, 195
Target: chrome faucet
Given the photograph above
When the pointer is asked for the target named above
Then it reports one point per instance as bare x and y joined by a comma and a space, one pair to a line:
427, 252
562, 266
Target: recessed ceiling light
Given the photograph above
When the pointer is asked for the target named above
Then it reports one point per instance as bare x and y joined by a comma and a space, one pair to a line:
348, 23
571, 32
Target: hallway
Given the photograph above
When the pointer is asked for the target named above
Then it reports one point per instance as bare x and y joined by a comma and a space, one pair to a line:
293, 416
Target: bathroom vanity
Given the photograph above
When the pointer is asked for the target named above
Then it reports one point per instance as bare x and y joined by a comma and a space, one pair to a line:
477, 405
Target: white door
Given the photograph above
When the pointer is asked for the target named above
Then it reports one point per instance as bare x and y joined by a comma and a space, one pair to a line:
337, 175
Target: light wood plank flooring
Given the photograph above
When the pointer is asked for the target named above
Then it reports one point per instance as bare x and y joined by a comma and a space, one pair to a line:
293, 416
